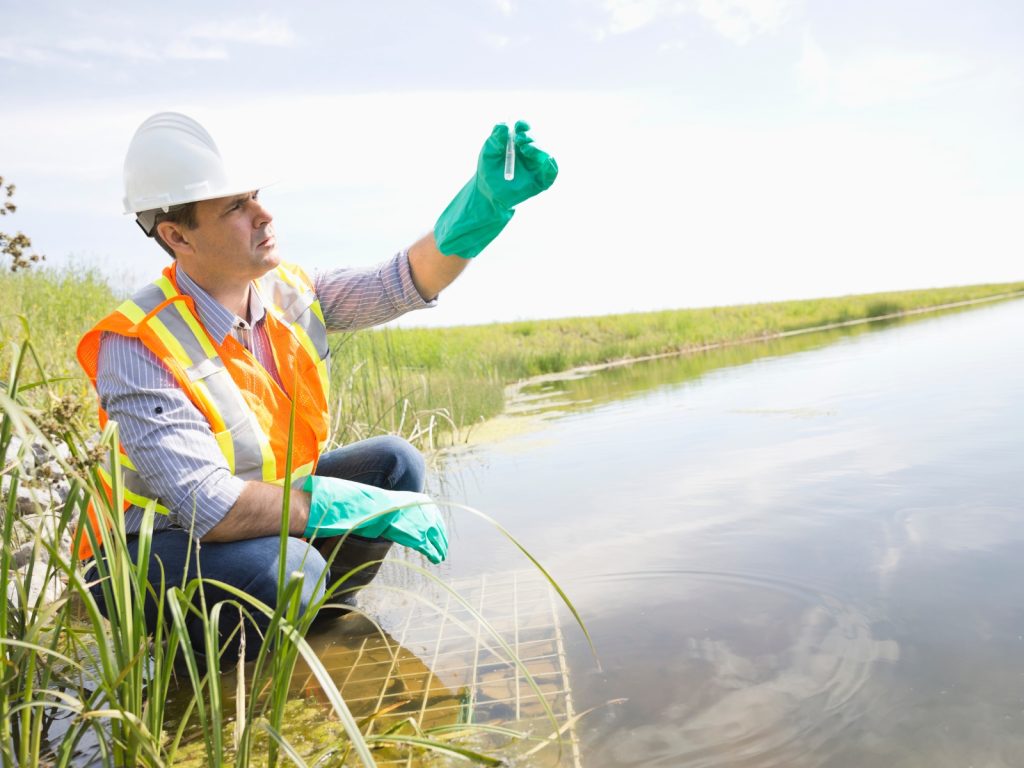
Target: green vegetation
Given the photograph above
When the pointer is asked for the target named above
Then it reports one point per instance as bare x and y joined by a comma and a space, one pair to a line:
423, 382
110, 684
430, 385
75, 687
59, 306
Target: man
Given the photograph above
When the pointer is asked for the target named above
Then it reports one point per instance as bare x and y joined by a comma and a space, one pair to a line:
217, 373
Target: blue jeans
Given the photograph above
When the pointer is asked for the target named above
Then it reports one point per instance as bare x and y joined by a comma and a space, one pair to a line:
251, 565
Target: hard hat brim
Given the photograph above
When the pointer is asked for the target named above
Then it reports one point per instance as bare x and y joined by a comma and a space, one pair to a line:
145, 218
166, 202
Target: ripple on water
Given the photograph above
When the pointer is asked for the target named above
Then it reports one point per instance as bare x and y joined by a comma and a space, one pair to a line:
765, 672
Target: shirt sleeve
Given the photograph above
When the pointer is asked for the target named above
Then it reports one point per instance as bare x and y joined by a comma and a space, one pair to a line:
359, 298
167, 438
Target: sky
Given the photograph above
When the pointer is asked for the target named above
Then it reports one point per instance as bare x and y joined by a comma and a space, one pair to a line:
710, 151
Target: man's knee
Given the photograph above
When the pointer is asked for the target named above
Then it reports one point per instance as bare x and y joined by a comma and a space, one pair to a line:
409, 468
385, 461
262, 584
300, 559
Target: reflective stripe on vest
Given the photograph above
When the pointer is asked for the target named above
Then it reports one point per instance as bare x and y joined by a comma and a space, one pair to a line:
165, 321
290, 307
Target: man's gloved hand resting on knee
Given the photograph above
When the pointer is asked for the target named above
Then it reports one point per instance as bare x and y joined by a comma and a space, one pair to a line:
410, 519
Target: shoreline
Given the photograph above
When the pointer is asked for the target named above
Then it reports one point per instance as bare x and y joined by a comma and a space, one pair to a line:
512, 390
508, 423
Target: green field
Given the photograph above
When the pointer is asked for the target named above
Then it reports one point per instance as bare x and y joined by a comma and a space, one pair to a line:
431, 384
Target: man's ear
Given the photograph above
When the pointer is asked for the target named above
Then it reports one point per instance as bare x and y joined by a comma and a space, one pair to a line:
175, 235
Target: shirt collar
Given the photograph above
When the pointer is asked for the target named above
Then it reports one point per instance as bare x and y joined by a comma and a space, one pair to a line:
215, 317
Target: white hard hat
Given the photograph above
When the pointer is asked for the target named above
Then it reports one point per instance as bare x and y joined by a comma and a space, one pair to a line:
172, 160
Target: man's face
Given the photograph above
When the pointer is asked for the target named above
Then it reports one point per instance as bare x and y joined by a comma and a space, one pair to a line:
233, 239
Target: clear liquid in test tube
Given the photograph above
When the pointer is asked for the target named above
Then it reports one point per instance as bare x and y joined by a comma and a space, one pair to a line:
510, 153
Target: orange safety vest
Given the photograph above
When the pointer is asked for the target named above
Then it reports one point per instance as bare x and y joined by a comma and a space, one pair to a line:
248, 412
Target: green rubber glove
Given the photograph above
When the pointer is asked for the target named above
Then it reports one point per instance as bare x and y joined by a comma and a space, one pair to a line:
420, 528
484, 206
410, 519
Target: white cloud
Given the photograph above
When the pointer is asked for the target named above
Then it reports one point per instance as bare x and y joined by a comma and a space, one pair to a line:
813, 69
206, 41
127, 49
742, 20
628, 15
264, 30
736, 20
497, 41
505, 6
28, 53
195, 51
877, 77
185, 48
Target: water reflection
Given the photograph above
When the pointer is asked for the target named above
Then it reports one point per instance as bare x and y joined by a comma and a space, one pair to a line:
558, 394
737, 699
803, 553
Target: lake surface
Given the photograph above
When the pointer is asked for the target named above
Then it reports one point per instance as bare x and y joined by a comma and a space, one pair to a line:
799, 553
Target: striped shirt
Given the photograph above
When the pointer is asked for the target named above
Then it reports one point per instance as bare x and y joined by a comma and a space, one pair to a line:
168, 438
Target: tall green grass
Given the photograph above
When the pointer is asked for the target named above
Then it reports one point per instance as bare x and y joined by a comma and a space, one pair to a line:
76, 687
59, 305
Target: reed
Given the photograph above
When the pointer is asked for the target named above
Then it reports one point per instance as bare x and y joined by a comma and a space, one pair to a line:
76, 687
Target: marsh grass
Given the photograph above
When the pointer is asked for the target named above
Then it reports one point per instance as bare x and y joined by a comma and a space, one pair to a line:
60, 305
434, 384
76, 687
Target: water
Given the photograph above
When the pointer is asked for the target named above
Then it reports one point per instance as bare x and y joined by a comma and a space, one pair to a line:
798, 554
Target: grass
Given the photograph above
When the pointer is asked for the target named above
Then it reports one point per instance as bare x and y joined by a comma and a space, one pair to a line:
59, 305
430, 383
108, 682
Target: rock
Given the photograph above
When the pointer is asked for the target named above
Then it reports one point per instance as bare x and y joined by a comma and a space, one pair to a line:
33, 500
12, 448
39, 505
18, 453
61, 489
42, 493
41, 454
46, 527
49, 585
50, 468
20, 558
52, 460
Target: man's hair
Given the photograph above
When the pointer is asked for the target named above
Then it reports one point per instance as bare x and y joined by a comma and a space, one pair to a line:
184, 215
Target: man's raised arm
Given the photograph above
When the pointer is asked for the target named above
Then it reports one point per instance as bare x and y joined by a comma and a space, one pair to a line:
482, 208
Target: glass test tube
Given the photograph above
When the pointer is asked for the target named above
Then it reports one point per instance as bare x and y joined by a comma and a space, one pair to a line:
510, 154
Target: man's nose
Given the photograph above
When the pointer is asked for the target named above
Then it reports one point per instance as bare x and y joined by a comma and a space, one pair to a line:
261, 216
